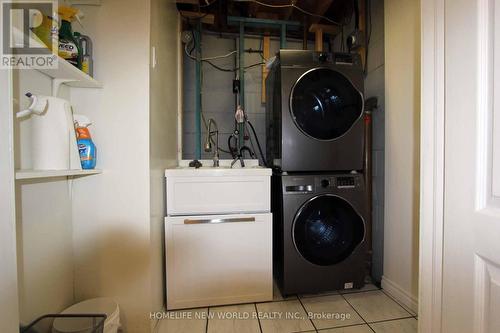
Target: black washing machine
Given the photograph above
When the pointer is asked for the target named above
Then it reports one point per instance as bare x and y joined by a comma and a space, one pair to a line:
314, 112
320, 232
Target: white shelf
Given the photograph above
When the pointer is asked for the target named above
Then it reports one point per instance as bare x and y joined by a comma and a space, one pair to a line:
71, 75
65, 73
38, 174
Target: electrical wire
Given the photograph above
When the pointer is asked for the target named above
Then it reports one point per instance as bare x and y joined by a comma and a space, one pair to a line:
314, 15
369, 35
208, 4
208, 58
265, 4
291, 5
356, 14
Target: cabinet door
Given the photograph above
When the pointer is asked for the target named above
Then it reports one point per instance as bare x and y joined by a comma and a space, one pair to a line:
218, 259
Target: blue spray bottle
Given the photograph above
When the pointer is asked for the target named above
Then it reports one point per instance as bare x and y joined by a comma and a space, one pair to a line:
86, 146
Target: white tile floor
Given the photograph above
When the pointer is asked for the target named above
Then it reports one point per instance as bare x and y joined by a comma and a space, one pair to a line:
358, 311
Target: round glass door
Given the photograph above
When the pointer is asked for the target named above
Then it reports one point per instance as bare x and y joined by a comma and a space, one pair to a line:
327, 229
324, 104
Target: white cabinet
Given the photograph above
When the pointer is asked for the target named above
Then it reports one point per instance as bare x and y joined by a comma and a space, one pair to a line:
218, 259
218, 236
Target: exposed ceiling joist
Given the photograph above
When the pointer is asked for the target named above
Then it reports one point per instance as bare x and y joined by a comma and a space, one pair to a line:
320, 9
326, 28
205, 18
307, 12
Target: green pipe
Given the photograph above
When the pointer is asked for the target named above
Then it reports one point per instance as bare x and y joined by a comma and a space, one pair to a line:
197, 140
241, 64
283, 37
263, 23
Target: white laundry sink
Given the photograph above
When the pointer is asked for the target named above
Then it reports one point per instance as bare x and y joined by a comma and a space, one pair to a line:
219, 221
251, 168
218, 190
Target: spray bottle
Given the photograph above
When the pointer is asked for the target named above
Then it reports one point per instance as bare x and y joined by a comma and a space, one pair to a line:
86, 146
69, 48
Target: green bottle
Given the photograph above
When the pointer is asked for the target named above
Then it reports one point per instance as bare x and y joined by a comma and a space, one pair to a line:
68, 45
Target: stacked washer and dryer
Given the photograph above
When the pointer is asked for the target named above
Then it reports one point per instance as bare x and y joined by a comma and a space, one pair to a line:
315, 144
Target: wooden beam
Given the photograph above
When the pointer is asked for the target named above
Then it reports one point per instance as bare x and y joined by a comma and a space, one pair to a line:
319, 30
205, 18
319, 40
266, 48
326, 28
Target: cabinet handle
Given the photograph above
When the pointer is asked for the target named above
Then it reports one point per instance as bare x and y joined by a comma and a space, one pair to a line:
228, 220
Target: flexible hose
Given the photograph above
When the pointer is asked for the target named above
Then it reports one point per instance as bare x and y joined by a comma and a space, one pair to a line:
258, 143
231, 150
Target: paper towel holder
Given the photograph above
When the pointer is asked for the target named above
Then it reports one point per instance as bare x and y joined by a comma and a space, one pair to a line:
37, 105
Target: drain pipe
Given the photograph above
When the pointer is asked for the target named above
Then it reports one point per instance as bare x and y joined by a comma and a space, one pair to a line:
241, 65
198, 96
370, 106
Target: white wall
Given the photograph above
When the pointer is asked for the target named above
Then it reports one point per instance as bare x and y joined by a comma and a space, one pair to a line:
217, 91
402, 86
43, 219
163, 129
9, 317
111, 212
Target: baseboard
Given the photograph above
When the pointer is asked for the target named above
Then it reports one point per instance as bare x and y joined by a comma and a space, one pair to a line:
400, 295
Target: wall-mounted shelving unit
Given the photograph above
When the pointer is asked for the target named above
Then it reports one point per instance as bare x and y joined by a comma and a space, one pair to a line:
41, 174
65, 73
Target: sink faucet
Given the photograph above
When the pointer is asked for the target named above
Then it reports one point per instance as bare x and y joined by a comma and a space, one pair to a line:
208, 142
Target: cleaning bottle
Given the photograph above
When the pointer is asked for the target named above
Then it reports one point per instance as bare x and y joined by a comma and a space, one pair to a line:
86, 146
68, 45
85, 44
46, 29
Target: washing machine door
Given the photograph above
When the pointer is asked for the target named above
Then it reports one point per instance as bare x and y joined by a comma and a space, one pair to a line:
325, 104
327, 229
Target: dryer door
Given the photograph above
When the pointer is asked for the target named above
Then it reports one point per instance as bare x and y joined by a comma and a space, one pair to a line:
325, 104
327, 229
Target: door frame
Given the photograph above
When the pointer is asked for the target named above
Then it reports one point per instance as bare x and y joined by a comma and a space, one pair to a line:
432, 143
9, 306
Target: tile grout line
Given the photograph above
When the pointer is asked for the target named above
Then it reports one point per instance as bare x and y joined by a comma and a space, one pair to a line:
305, 310
258, 317
360, 316
398, 303
337, 292
208, 319
394, 319
339, 327
359, 291
319, 295
277, 301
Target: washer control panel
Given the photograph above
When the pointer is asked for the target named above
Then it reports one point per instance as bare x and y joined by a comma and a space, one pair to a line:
308, 184
346, 182
339, 182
